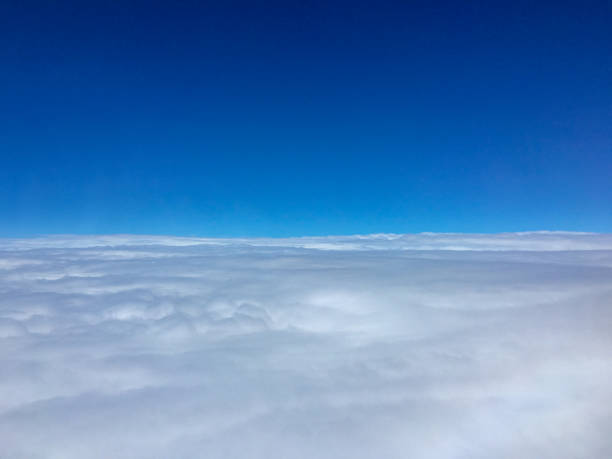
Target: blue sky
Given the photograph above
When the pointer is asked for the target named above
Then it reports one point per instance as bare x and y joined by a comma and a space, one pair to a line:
305, 118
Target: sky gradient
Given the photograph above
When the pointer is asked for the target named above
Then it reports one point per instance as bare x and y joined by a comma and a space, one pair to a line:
305, 118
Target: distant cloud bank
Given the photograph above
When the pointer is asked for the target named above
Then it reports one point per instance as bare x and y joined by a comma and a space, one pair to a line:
426, 346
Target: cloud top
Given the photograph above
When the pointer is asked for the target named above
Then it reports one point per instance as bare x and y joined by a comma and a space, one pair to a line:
420, 346
524, 241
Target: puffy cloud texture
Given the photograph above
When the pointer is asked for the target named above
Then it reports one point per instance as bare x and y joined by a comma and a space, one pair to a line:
383, 346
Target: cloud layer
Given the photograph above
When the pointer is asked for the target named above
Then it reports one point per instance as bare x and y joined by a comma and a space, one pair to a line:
396, 346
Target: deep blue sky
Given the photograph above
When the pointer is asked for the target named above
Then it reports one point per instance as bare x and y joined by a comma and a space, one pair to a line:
302, 118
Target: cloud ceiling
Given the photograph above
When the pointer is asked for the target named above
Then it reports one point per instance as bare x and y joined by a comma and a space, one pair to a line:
383, 346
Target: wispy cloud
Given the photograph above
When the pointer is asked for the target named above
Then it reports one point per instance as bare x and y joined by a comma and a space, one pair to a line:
396, 346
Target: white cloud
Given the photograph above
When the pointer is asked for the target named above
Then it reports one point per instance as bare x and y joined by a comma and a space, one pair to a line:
395, 346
